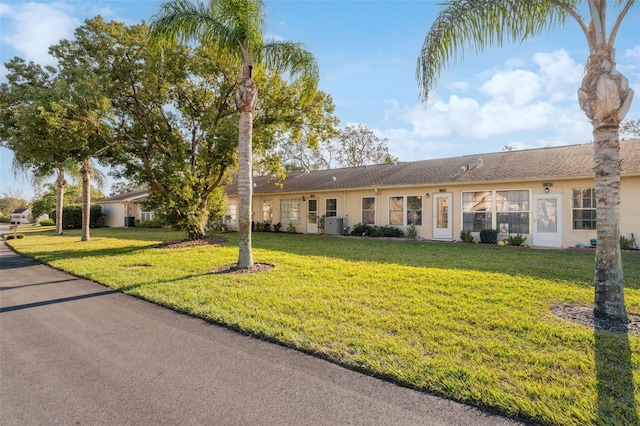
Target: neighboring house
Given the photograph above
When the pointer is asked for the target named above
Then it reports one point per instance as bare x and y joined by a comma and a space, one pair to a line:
546, 194
21, 216
124, 209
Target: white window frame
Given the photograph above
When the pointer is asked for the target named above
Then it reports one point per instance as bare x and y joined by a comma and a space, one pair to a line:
327, 212
405, 210
575, 209
493, 210
363, 211
290, 211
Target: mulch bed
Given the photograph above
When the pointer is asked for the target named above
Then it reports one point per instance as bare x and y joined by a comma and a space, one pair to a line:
214, 241
233, 269
582, 314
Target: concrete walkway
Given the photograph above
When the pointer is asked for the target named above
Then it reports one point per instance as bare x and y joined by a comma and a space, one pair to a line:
73, 352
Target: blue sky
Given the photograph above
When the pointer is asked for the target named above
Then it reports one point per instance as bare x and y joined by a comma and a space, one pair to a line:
522, 95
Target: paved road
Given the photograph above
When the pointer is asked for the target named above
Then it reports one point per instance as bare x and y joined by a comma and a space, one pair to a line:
73, 352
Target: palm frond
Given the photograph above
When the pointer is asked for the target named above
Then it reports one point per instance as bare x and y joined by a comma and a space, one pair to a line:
184, 21
481, 23
283, 56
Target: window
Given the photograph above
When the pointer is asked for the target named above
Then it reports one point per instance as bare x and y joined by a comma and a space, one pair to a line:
331, 207
512, 211
476, 211
231, 212
369, 210
290, 211
267, 211
584, 208
396, 211
414, 210
146, 216
405, 210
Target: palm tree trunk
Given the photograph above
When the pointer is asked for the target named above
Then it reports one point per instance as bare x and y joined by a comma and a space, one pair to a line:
605, 98
86, 171
246, 97
609, 278
60, 184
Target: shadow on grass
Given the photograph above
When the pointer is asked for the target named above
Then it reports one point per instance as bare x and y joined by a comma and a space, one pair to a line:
545, 264
614, 374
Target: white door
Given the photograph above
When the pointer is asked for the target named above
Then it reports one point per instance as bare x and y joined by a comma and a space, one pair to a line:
442, 229
312, 216
547, 220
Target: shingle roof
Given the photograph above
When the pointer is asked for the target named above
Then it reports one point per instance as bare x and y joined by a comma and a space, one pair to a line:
127, 196
544, 163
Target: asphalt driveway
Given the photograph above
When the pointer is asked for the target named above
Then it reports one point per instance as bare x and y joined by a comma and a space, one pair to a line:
73, 352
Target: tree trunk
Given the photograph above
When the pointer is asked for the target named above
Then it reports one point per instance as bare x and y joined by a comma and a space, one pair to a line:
605, 98
60, 184
86, 172
246, 97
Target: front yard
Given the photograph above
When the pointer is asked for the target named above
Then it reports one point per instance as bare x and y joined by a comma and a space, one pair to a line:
469, 322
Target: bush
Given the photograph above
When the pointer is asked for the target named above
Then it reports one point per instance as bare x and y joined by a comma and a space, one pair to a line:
489, 236
154, 223
516, 240
47, 222
412, 232
626, 243
466, 237
362, 230
12, 236
291, 229
72, 217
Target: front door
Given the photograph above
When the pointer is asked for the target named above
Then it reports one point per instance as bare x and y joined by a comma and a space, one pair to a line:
547, 220
442, 229
312, 216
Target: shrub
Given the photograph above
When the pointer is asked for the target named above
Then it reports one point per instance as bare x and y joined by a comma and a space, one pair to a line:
390, 231
412, 232
626, 243
154, 223
362, 230
12, 236
489, 236
516, 240
47, 222
72, 217
466, 237
291, 229
276, 227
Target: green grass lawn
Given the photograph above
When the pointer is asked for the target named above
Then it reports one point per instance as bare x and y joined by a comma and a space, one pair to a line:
469, 322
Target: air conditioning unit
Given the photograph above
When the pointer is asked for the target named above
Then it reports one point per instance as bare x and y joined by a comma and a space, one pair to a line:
334, 225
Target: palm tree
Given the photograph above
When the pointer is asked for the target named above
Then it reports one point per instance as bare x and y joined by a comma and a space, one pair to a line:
87, 173
604, 96
234, 27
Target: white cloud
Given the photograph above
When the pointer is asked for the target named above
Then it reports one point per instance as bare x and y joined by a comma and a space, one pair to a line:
560, 75
458, 86
516, 87
32, 27
633, 53
530, 108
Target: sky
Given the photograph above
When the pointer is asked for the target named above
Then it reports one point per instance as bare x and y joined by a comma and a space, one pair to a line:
522, 95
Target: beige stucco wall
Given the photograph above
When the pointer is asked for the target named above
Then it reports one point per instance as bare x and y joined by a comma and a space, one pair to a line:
349, 205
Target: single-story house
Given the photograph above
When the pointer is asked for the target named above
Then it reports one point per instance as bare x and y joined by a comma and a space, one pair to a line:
124, 209
20, 216
545, 194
